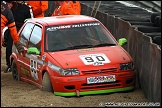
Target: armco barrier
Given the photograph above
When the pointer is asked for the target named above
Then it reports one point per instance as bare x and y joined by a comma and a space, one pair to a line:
146, 55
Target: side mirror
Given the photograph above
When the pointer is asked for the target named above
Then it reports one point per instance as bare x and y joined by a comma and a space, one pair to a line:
122, 41
33, 50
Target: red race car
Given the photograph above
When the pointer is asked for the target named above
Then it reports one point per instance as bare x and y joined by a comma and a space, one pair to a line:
72, 55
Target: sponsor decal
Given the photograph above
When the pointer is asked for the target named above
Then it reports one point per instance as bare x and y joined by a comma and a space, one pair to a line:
25, 71
101, 79
88, 49
94, 59
72, 26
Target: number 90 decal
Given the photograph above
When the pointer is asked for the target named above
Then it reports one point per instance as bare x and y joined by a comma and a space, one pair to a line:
94, 59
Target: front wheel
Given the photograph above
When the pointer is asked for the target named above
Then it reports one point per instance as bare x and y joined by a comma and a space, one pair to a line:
46, 83
15, 74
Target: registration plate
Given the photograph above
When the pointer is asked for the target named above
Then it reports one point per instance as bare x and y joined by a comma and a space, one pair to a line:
101, 79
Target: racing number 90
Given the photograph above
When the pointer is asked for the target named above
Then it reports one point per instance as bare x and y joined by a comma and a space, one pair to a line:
90, 59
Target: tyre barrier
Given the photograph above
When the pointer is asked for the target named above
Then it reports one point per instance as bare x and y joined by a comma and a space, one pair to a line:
152, 35
135, 19
153, 15
141, 23
147, 29
157, 21
157, 40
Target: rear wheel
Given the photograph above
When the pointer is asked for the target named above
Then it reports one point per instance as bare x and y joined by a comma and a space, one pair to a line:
15, 74
46, 83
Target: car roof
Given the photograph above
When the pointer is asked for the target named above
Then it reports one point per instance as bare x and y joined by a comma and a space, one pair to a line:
64, 19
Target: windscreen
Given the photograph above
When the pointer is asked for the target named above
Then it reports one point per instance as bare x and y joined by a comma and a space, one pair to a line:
77, 36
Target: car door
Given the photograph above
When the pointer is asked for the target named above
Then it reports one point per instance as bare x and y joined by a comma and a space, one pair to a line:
34, 60
22, 60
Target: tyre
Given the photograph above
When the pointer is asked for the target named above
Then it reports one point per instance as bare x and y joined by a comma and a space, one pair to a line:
153, 15
141, 23
157, 40
147, 29
152, 35
133, 18
46, 83
15, 74
157, 21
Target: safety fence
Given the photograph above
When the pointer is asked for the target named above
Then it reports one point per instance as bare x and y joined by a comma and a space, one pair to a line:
146, 55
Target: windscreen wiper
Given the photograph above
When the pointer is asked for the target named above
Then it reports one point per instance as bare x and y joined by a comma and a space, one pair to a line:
80, 46
77, 47
85, 46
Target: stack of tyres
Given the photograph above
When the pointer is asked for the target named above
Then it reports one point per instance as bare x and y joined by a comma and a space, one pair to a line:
156, 19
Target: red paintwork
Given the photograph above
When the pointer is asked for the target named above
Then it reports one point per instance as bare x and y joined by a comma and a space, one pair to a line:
70, 59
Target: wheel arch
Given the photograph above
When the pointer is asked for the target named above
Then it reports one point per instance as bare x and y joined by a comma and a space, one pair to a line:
13, 58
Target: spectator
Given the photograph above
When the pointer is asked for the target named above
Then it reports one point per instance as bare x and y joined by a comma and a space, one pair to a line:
63, 8
20, 13
38, 7
76, 6
7, 19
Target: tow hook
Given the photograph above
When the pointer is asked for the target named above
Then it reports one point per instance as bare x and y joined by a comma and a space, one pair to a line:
77, 93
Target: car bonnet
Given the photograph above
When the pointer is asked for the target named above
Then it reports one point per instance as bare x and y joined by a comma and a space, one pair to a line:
90, 56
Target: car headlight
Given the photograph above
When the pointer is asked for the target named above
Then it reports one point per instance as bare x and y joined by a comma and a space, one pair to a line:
127, 66
69, 71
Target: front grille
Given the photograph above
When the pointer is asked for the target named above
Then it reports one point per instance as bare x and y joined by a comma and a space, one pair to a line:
99, 71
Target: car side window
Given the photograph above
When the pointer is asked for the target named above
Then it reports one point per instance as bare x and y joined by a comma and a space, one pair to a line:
35, 38
24, 35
